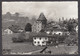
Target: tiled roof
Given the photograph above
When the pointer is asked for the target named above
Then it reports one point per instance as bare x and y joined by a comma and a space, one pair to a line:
42, 34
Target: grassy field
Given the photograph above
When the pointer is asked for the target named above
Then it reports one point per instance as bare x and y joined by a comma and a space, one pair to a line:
27, 47
17, 47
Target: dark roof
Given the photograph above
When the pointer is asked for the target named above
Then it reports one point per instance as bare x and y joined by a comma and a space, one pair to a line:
55, 29
42, 34
41, 17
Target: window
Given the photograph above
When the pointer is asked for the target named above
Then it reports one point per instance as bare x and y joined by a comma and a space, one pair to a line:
38, 42
54, 33
34, 41
59, 33
40, 38
42, 42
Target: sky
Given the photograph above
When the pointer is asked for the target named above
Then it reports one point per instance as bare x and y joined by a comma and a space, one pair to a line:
51, 10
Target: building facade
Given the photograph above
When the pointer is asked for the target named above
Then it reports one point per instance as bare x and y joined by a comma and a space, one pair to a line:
8, 31
41, 39
39, 24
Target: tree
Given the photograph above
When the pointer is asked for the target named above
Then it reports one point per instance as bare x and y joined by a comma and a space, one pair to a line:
64, 22
21, 37
14, 28
33, 20
71, 39
70, 27
28, 27
42, 30
8, 15
17, 14
68, 41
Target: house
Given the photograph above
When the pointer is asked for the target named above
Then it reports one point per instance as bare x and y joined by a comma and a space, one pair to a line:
8, 31
41, 39
57, 32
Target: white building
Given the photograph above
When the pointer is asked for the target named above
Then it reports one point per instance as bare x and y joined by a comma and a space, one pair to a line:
21, 30
48, 32
41, 39
76, 29
57, 32
8, 31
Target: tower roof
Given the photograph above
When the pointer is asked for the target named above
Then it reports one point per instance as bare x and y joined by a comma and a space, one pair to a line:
41, 17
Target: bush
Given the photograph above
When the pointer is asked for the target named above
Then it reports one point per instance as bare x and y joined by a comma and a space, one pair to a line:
19, 38
22, 36
14, 28
6, 51
28, 27
14, 39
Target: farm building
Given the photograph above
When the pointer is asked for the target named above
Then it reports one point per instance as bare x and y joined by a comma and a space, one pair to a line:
7, 31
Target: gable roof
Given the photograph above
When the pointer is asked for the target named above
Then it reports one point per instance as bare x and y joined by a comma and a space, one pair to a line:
7, 29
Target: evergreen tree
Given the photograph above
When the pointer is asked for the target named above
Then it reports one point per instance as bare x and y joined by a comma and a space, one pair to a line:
28, 27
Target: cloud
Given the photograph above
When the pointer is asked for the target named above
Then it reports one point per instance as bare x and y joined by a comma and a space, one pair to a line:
50, 9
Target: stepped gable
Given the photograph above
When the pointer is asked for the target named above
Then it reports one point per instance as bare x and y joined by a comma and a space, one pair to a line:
41, 17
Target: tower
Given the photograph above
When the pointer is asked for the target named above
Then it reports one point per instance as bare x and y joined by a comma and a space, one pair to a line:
40, 23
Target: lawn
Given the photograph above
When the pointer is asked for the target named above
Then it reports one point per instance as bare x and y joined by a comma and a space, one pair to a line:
27, 47
18, 47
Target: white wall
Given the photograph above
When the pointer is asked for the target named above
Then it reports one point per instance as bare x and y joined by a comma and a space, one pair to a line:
8, 31
57, 32
40, 41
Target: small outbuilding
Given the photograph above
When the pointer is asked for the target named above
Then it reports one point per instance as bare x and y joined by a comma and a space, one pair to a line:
8, 31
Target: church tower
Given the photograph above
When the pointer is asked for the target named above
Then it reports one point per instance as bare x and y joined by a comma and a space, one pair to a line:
40, 23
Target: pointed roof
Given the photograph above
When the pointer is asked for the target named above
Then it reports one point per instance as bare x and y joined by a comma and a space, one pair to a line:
42, 17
